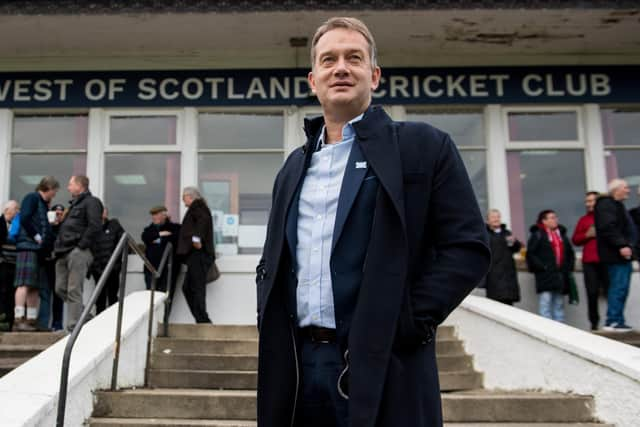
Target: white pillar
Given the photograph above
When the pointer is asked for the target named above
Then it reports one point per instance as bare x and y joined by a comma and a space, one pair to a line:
189, 157
497, 176
6, 132
95, 151
594, 157
293, 130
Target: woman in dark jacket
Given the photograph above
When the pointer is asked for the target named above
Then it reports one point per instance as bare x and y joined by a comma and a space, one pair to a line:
551, 258
34, 243
103, 248
502, 279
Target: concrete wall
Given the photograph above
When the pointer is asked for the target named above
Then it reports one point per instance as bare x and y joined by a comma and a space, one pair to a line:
29, 394
517, 350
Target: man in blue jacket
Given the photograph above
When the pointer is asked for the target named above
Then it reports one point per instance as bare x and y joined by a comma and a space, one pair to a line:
374, 237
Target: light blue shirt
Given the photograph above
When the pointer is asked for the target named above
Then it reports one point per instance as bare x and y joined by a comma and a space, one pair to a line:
316, 220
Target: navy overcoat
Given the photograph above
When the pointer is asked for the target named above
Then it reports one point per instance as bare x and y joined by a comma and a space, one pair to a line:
427, 250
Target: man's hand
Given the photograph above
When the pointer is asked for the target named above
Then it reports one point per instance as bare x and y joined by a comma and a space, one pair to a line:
591, 232
625, 252
164, 233
197, 245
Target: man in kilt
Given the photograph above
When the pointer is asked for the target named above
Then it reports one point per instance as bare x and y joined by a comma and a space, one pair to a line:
34, 242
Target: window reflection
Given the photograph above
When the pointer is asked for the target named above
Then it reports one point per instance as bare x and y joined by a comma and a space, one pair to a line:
535, 184
143, 130
50, 132
466, 129
28, 169
136, 182
544, 126
234, 131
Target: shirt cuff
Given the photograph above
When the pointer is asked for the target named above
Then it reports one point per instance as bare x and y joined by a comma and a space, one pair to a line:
37, 237
195, 239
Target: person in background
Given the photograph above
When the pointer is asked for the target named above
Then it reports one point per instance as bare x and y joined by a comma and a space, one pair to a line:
617, 236
105, 244
502, 279
196, 250
595, 273
551, 258
34, 243
155, 237
635, 217
50, 267
73, 247
7, 264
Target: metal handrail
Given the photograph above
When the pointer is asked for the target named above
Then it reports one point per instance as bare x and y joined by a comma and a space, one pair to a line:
125, 241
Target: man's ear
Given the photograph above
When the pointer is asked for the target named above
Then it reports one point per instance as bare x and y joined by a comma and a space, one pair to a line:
375, 78
312, 82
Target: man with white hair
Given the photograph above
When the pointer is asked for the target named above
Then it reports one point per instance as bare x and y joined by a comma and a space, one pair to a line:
196, 250
617, 236
7, 264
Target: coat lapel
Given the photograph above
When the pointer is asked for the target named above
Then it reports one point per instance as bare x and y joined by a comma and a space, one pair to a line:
353, 177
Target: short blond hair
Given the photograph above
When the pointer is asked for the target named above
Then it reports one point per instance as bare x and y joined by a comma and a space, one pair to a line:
346, 23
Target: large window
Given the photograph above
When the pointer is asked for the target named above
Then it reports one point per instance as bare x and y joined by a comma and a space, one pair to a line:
621, 134
545, 166
47, 145
467, 131
142, 168
239, 155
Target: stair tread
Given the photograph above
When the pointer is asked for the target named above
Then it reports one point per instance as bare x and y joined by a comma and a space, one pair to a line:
178, 421
195, 392
8, 362
207, 371
23, 347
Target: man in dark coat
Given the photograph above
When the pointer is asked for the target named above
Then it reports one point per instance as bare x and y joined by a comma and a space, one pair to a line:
74, 246
197, 252
155, 237
617, 236
502, 279
105, 244
551, 258
374, 237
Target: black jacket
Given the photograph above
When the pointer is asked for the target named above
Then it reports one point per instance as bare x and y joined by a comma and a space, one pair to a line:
427, 250
542, 261
81, 225
614, 229
502, 279
4, 233
154, 244
197, 222
105, 244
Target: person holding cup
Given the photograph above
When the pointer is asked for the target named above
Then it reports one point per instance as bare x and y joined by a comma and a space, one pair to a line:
33, 244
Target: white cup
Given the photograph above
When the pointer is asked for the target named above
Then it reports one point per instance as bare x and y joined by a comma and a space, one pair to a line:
51, 216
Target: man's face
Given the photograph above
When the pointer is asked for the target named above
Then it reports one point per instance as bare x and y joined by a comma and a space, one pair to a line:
622, 192
187, 199
342, 76
10, 212
590, 202
74, 188
49, 195
551, 221
59, 214
494, 220
159, 218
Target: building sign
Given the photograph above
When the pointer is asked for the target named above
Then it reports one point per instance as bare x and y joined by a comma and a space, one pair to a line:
475, 85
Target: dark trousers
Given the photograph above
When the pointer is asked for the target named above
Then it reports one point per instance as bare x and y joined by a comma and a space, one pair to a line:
319, 402
109, 294
595, 279
195, 284
57, 304
7, 294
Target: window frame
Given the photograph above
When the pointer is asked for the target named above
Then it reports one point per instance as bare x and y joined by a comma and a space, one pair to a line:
551, 144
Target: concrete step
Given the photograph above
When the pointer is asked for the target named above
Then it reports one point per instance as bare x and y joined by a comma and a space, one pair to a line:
20, 350
133, 422
190, 345
450, 347
248, 380
630, 338
455, 363
31, 338
211, 332
172, 403
478, 406
10, 363
215, 362
482, 406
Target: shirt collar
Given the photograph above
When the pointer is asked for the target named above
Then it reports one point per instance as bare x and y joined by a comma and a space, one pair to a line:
347, 131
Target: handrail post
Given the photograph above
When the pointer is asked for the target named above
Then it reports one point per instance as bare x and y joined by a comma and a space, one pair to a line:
168, 301
121, 291
154, 280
